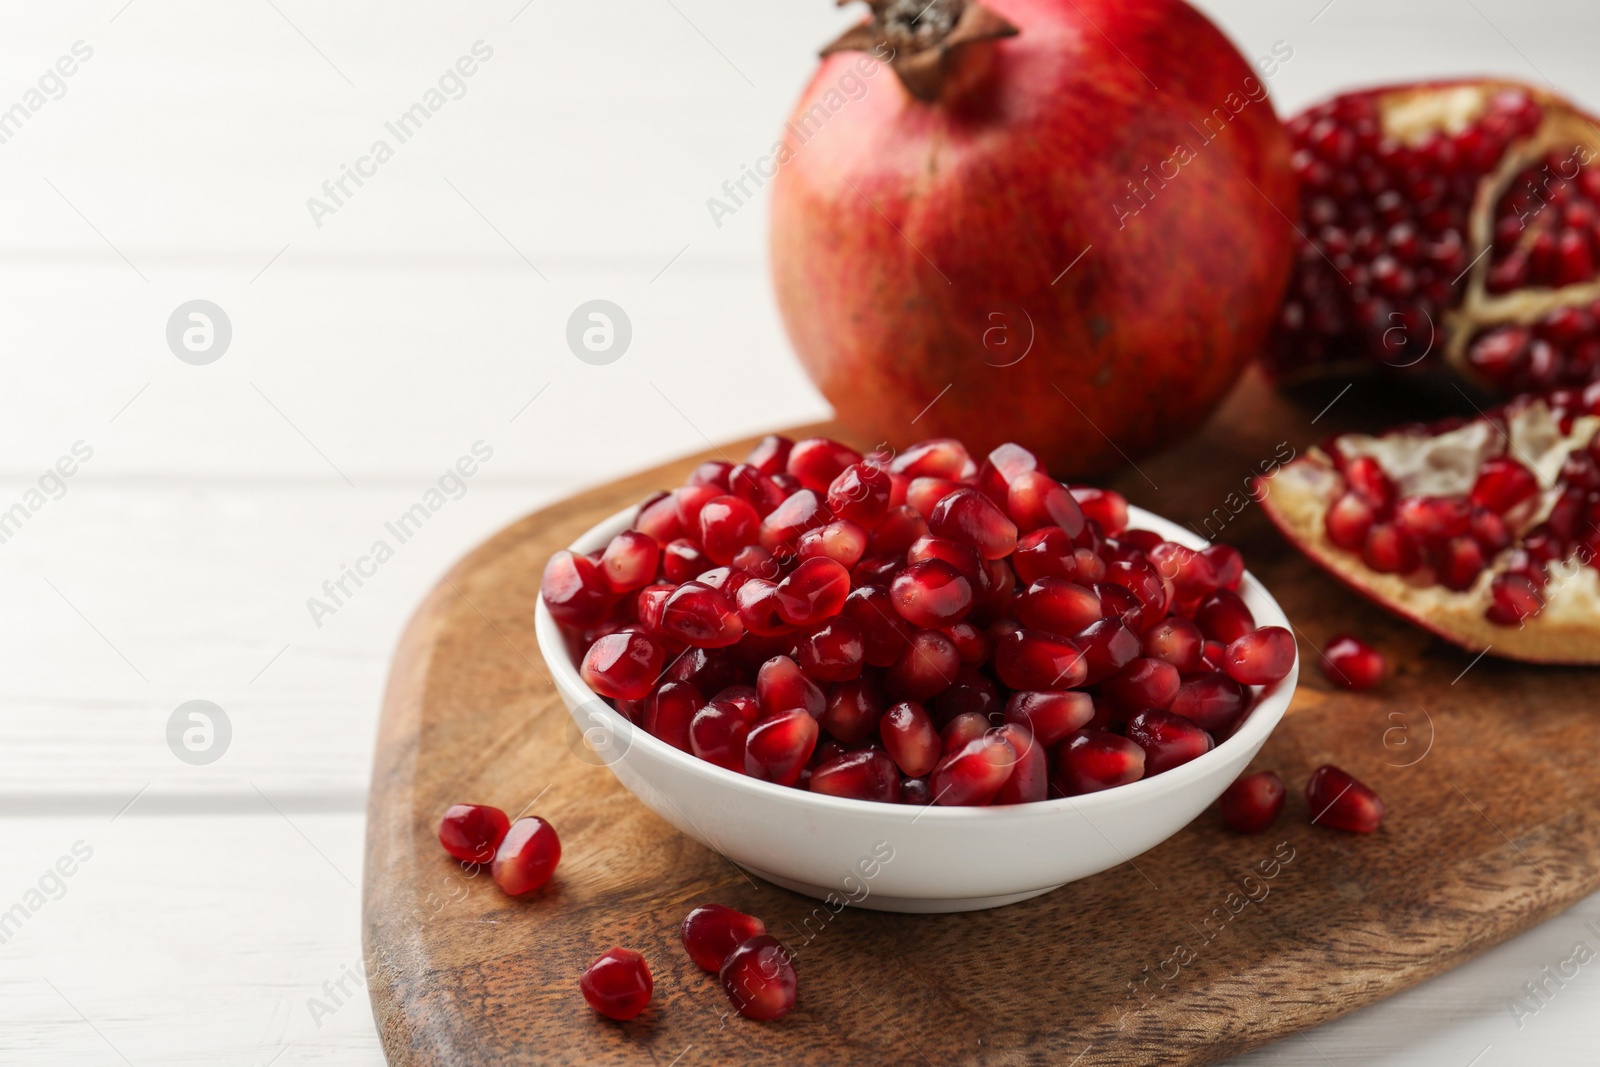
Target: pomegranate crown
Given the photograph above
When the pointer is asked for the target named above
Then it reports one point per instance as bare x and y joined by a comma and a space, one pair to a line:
922, 38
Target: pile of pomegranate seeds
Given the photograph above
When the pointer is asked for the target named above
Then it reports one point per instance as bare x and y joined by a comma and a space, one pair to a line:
521, 855
618, 984
913, 628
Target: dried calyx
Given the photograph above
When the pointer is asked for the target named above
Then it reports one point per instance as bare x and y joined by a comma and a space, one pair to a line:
922, 40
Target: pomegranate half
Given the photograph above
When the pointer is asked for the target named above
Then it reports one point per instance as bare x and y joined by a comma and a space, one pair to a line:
1485, 531
1059, 221
1451, 224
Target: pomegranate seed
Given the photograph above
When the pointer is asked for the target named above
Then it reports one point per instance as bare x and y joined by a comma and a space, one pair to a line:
916, 791
860, 494
623, 665
910, 739
756, 489
690, 499
527, 856
1260, 657
813, 591
1029, 780
1513, 598
718, 734
759, 978
575, 591
802, 511
927, 667
817, 461
1211, 701
1349, 521
1252, 804
1092, 760
1035, 500
1226, 564
1058, 605
1223, 616
974, 773
931, 594
1037, 659
777, 748
1390, 550
1176, 641
1144, 683
854, 708
1336, 799
832, 651
966, 727
1045, 553
924, 494
964, 559
1050, 715
968, 516
941, 457
884, 634
897, 532
1189, 572
972, 644
701, 616
1168, 740
1106, 508
841, 541
1141, 579
682, 559
1108, 646
472, 832
618, 984
727, 524
630, 560
1003, 466
782, 686
658, 518
670, 713
712, 931
713, 472
758, 609
755, 561
1502, 484
1433, 518
863, 775
1367, 477
770, 455
971, 691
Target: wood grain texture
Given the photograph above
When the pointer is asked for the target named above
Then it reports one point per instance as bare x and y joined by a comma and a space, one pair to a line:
1488, 771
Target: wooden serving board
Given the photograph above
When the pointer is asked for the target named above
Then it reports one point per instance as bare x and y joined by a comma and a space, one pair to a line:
1206, 946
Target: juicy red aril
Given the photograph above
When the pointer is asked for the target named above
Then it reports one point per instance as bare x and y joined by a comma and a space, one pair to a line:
1046, 553
1037, 659
618, 984
971, 691
1352, 664
1190, 572
1058, 605
924, 494
1433, 518
630, 560
713, 472
670, 712
962, 729
927, 667
777, 748
1107, 508
727, 524
831, 651
1513, 599
863, 775
527, 856
1036, 500
1003, 466
1367, 477
712, 931
690, 499
817, 461
682, 560
701, 616
1144, 683
783, 686
718, 734
759, 978
1390, 550
575, 590
624, 665
974, 773
1108, 646
930, 594
813, 591
897, 532
1092, 760
472, 832
1176, 641
860, 494
1260, 657
1502, 484
1336, 799
756, 489
758, 609
1029, 780
841, 541
968, 516
1348, 521
941, 457
964, 559
1141, 579
1168, 740
1051, 714
1212, 701
854, 708
802, 511
658, 518
884, 634
1252, 804
910, 739
1223, 616
1226, 564
770, 455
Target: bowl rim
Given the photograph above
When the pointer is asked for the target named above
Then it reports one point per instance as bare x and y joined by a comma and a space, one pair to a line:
1272, 702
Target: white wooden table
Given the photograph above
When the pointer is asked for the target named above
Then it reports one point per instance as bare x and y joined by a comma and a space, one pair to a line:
424, 314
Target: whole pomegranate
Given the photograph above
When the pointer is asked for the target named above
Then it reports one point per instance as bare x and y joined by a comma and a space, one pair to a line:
1064, 222
1452, 224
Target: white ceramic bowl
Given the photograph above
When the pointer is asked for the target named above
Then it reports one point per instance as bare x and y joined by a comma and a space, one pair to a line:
895, 857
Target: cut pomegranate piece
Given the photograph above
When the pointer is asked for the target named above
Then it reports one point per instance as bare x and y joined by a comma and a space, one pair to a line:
759, 978
1092, 760
973, 773
1448, 222
1352, 664
618, 984
1168, 740
866, 774
472, 832
624, 665
1260, 657
1252, 804
777, 748
1336, 799
910, 739
1521, 583
712, 931
527, 856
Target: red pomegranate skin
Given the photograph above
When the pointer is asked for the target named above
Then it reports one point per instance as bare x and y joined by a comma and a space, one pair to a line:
906, 235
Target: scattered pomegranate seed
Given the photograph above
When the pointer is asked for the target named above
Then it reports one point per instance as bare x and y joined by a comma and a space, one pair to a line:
1336, 799
1252, 804
527, 856
712, 931
758, 977
472, 832
1352, 664
618, 984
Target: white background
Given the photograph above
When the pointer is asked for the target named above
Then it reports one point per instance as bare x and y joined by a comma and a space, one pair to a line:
367, 355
